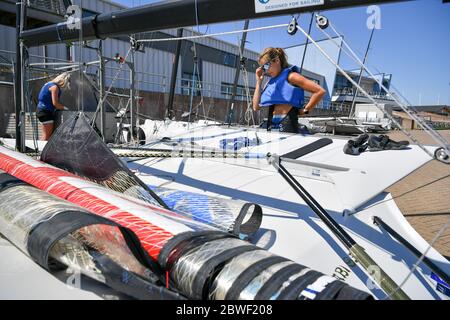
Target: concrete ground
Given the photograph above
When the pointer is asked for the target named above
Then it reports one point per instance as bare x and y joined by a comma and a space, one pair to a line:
424, 195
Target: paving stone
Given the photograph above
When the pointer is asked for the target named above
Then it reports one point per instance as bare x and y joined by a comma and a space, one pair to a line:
424, 195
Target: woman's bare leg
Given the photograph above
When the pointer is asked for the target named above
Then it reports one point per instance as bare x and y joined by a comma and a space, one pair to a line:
47, 130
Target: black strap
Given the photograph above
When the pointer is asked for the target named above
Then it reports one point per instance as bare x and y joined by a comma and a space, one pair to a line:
129, 283
349, 293
206, 275
252, 225
293, 117
338, 290
183, 243
276, 281
270, 117
249, 274
8, 181
294, 289
135, 246
331, 290
316, 145
43, 237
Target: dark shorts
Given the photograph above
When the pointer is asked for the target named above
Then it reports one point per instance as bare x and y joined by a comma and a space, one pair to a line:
286, 125
289, 123
45, 116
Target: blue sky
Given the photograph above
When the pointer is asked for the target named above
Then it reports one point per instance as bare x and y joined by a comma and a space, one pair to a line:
413, 43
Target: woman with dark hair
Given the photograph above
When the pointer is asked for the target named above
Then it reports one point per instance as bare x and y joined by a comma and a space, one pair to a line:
284, 92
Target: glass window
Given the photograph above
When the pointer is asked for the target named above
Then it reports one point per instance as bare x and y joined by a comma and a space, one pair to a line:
313, 80
342, 85
229, 60
188, 83
227, 89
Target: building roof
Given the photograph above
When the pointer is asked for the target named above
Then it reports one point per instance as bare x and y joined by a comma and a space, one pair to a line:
424, 115
356, 73
431, 108
116, 4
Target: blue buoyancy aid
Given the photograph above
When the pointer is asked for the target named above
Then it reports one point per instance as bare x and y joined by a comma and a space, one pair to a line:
45, 97
279, 91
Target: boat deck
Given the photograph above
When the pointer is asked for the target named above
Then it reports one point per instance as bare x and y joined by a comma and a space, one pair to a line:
424, 196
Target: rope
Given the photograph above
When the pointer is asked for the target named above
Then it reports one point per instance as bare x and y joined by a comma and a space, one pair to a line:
249, 111
128, 153
191, 154
215, 34
248, 115
196, 15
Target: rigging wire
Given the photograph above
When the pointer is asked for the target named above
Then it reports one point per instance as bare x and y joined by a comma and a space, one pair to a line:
216, 34
416, 265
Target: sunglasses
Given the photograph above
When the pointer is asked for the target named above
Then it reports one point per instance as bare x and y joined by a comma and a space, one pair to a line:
267, 65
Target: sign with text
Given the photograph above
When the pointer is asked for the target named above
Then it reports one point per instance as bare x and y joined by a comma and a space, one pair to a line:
276, 5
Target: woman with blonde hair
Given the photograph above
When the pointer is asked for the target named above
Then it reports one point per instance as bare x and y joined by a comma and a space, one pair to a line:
284, 92
49, 102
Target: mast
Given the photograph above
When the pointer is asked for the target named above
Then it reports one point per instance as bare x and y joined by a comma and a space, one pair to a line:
173, 78
18, 81
172, 14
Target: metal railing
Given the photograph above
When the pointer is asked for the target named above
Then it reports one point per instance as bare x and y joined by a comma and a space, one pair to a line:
53, 6
351, 92
145, 81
